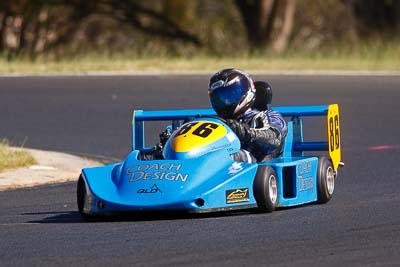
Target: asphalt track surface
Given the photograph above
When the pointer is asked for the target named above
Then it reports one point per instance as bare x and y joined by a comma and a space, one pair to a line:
91, 116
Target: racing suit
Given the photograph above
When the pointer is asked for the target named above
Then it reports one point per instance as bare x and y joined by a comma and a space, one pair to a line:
261, 134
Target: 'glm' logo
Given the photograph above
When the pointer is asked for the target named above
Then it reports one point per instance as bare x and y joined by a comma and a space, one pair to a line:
152, 190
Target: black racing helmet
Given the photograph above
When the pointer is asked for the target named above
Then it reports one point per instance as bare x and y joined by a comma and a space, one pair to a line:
231, 93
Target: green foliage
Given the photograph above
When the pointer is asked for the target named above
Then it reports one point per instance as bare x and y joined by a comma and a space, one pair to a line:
51, 31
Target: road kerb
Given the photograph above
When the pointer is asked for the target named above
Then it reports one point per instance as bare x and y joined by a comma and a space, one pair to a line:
52, 167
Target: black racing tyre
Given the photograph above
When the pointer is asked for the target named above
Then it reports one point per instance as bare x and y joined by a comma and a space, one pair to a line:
265, 188
81, 195
325, 179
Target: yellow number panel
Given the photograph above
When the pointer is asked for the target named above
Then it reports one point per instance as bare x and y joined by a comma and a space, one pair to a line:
197, 134
333, 122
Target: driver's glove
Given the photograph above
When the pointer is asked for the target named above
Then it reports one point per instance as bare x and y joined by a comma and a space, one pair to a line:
242, 130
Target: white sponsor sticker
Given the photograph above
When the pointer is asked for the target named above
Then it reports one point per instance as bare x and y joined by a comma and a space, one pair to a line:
217, 84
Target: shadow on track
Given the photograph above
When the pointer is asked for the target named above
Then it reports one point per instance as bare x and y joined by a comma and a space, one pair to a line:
56, 217
68, 217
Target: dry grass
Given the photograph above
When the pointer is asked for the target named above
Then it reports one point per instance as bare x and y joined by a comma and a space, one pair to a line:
368, 57
202, 64
12, 159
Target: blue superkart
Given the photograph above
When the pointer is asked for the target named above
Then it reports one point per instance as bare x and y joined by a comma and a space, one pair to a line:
196, 173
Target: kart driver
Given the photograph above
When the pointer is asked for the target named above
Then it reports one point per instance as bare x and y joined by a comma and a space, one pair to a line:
261, 130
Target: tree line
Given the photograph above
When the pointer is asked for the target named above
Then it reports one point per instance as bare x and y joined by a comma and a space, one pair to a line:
34, 27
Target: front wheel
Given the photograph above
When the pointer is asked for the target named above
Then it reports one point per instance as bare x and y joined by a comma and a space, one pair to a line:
265, 188
325, 179
81, 198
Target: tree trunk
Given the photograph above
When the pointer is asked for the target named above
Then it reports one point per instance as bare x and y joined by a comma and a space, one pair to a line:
2, 29
281, 40
256, 18
267, 22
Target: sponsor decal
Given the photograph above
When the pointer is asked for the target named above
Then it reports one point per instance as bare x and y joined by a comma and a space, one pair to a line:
231, 136
237, 195
306, 184
152, 190
304, 168
235, 167
228, 147
217, 84
306, 181
156, 171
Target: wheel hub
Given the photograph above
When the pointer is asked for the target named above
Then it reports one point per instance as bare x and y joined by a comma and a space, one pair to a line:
273, 188
330, 180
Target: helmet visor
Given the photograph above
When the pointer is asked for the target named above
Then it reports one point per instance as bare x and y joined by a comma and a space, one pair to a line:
224, 99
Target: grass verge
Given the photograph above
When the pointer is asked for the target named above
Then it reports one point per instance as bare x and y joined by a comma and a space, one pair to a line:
368, 57
12, 159
202, 64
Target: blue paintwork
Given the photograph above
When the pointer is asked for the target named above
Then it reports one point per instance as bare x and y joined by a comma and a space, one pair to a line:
301, 175
181, 182
185, 182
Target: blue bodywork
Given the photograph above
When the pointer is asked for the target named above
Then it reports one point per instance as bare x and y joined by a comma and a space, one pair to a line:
204, 178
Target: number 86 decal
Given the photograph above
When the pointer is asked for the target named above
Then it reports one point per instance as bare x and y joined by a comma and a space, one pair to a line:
203, 130
334, 142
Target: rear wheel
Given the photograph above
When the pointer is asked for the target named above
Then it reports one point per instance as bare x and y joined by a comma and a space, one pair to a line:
325, 179
265, 188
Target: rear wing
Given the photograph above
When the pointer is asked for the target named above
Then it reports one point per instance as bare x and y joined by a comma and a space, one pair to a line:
294, 143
